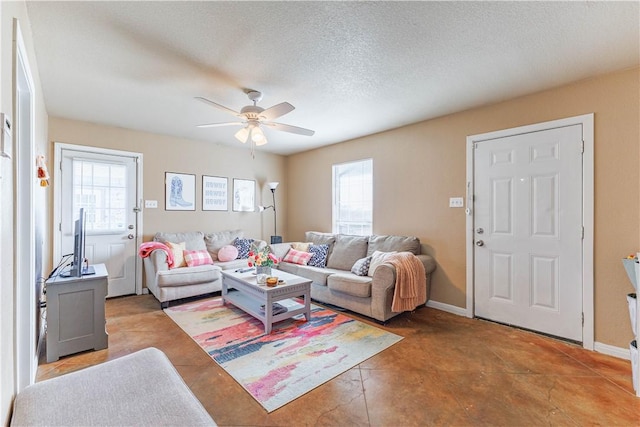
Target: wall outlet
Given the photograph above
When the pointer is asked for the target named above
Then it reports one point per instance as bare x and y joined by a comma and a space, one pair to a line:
456, 202
151, 204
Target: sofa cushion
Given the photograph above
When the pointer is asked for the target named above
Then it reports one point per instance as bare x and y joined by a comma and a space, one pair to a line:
361, 266
346, 251
318, 238
232, 265
393, 243
193, 240
188, 276
350, 284
243, 246
318, 255
195, 258
315, 274
279, 249
215, 241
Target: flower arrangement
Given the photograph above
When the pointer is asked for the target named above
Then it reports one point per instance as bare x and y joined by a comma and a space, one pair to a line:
262, 258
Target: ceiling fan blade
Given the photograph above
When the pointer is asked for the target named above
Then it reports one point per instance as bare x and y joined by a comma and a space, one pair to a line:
289, 128
277, 111
215, 125
221, 107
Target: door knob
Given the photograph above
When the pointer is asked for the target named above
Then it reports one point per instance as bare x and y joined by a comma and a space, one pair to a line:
479, 243
130, 236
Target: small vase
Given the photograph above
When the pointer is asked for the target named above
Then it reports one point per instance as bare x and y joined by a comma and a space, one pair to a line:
262, 273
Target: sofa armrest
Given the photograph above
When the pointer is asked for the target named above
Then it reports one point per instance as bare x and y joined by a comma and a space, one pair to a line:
158, 259
384, 283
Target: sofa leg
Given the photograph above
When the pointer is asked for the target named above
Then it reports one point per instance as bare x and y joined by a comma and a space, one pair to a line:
164, 305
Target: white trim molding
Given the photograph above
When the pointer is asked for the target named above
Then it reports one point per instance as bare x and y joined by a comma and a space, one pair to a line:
620, 353
447, 307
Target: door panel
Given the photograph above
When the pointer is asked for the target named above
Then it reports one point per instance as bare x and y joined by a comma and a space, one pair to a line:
528, 201
106, 186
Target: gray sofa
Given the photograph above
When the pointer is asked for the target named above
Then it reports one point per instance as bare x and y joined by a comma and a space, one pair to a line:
337, 285
140, 389
176, 283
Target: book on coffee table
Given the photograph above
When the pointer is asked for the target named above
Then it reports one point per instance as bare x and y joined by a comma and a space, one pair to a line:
275, 308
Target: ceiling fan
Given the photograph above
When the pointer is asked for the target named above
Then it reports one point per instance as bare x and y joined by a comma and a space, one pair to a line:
253, 117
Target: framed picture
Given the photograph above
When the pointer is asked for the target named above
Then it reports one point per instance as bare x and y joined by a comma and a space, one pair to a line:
214, 193
244, 195
180, 191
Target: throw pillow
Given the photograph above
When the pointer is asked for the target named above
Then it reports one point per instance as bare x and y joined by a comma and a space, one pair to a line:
318, 255
227, 253
301, 246
243, 246
178, 256
361, 266
195, 258
297, 257
377, 258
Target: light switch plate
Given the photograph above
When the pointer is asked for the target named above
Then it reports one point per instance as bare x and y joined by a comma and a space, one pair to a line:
152, 204
456, 202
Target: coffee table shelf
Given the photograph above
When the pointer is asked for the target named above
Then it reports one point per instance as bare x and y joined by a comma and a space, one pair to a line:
241, 290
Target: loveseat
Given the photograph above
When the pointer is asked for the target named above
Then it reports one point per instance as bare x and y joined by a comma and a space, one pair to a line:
336, 284
169, 284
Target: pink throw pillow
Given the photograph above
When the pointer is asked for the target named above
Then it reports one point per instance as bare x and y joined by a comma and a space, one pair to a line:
227, 253
195, 258
297, 257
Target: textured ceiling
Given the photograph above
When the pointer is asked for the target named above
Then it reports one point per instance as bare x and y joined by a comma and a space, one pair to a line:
349, 68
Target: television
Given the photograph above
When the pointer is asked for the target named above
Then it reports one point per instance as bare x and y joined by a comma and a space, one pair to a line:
78, 269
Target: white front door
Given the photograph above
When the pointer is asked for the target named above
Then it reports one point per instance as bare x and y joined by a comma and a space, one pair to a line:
528, 230
105, 185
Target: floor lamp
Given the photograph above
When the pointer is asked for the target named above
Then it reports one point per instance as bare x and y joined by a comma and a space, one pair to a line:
275, 238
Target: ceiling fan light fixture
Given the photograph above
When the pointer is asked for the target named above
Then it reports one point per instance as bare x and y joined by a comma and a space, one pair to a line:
243, 134
258, 137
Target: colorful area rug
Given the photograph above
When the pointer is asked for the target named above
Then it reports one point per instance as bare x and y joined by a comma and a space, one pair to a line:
294, 359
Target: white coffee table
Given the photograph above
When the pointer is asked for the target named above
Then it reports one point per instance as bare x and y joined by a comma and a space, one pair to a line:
241, 290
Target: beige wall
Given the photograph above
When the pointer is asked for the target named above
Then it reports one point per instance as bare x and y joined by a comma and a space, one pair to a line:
169, 154
8, 344
418, 167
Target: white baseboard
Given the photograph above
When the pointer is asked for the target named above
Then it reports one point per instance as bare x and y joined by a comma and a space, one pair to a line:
145, 291
621, 353
447, 307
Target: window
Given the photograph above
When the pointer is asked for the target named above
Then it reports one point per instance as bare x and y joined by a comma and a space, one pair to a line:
101, 189
353, 197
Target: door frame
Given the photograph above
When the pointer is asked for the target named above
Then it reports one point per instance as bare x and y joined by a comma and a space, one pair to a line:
23, 92
586, 121
57, 195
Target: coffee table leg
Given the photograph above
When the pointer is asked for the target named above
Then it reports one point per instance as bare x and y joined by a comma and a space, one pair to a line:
268, 311
307, 306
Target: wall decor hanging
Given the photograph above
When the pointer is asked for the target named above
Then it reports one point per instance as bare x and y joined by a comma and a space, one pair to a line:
42, 172
244, 195
180, 191
214, 193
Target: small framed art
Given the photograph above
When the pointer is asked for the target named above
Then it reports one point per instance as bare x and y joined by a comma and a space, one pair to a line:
214, 193
180, 191
244, 195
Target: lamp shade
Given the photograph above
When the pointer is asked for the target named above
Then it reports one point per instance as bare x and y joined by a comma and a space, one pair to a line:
242, 135
273, 185
257, 136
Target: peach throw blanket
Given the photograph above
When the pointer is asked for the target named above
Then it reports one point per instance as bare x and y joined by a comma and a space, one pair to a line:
411, 282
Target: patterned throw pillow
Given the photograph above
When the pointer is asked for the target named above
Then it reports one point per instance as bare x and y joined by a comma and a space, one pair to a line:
195, 258
297, 257
319, 255
361, 266
178, 256
243, 246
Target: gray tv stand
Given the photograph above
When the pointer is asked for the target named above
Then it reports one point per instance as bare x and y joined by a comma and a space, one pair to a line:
75, 314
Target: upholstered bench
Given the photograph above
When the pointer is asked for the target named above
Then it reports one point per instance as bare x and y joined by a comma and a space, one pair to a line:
141, 389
